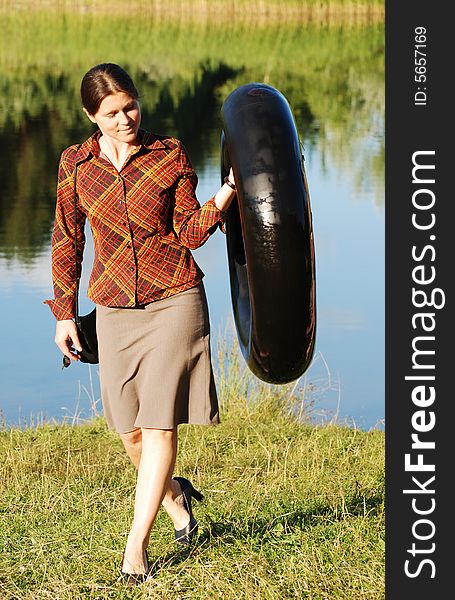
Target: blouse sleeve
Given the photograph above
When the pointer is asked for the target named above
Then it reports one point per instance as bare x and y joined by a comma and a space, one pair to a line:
192, 223
63, 252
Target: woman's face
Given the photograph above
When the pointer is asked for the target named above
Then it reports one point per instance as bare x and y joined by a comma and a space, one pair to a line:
118, 117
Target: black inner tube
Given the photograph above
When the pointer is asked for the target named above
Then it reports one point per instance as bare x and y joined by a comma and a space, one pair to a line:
269, 234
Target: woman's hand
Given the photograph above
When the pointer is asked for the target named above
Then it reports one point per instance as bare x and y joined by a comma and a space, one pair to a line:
66, 337
225, 194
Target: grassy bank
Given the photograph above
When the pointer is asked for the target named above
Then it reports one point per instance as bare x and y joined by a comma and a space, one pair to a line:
292, 510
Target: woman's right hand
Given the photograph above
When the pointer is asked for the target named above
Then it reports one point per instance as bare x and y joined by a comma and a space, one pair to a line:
66, 337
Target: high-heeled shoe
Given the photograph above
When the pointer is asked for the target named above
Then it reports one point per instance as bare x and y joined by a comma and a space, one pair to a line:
185, 535
134, 578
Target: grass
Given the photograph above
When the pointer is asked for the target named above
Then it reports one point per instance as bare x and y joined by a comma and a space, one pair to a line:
292, 510
218, 9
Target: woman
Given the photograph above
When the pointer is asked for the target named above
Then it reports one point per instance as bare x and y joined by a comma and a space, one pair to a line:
138, 191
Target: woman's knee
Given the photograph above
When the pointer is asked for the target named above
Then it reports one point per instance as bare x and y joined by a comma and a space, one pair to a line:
158, 435
132, 438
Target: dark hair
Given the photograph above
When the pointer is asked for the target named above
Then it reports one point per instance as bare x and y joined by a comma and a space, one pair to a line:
101, 81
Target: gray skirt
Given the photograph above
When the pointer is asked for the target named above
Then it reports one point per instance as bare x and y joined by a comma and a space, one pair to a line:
155, 363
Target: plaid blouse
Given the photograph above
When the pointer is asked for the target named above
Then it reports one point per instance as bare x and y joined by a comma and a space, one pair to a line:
144, 219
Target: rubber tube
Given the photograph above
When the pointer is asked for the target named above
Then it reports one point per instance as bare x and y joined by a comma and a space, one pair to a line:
269, 234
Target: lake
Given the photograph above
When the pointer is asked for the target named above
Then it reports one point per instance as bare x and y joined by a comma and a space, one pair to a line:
332, 77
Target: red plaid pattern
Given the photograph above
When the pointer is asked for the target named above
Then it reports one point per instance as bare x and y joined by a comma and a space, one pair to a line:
144, 220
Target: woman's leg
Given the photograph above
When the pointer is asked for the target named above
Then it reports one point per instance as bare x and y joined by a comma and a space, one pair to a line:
173, 502
154, 486
132, 442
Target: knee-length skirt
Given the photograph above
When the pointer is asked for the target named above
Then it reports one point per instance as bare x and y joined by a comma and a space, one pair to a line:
155, 363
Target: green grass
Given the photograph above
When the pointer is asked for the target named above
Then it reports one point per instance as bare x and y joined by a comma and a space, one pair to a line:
292, 510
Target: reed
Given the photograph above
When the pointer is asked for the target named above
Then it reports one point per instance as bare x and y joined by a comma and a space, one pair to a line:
321, 11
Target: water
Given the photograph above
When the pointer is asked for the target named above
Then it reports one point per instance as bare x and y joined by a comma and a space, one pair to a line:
343, 139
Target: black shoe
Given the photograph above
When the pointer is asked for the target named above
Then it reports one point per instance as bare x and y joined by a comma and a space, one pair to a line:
134, 578
185, 535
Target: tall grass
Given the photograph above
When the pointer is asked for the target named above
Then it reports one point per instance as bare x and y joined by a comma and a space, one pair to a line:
219, 10
292, 510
